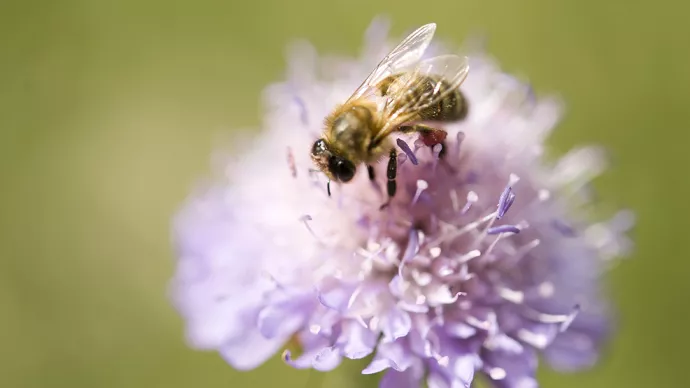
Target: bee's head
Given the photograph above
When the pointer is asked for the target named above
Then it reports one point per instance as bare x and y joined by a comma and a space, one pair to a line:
334, 166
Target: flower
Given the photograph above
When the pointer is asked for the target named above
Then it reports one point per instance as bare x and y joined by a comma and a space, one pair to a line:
485, 259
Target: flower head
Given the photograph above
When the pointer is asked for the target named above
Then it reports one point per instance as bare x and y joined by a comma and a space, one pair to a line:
485, 258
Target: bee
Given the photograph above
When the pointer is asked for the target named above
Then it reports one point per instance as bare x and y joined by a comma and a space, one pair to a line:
402, 94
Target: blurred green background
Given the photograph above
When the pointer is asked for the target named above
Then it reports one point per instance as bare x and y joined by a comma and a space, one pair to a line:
109, 111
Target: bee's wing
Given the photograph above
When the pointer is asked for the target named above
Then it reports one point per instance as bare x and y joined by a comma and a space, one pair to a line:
404, 55
451, 69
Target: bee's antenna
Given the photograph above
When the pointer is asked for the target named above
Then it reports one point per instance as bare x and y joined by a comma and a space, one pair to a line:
328, 187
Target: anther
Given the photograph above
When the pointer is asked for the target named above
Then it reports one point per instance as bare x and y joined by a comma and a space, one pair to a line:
472, 198
421, 186
503, 229
406, 149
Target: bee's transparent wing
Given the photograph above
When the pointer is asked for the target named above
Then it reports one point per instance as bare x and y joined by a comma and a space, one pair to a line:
404, 55
449, 69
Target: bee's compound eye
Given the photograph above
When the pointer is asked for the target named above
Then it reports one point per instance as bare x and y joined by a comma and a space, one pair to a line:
343, 169
319, 148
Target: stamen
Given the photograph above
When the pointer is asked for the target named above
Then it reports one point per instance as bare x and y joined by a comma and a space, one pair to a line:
563, 228
436, 151
517, 297
504, 202
497, 373
454, 200
360, 320
272, 279
460, 137
469, 256
571, 317
305, 219
438, 319
445, 271
411, 250
481, 324
374, 323
442, 361
455, 234
421, 186
523, 250
544, 195
422, 278
493, 244
406, 149
402, 158
353, 297
503, 229
413, 307
303, 116
564, 320
472, 198
419, 143
291, 162
546, 289
373, 255
539, 341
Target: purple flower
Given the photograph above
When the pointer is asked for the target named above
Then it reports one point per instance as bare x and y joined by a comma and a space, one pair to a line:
485, 259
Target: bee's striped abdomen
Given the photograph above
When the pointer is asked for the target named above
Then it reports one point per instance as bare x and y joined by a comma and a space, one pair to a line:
452, 107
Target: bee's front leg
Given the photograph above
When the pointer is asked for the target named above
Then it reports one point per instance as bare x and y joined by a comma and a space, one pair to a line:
391, 172
370, 170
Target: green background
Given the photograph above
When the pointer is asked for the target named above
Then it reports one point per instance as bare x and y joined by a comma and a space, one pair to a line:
109, 111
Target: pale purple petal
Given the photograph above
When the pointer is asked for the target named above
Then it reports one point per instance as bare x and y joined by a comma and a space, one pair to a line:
335, 294
250, 350
410, 378
322, 359
356, 341
283, 317
390, 355
572, 351
396, 324
510, 370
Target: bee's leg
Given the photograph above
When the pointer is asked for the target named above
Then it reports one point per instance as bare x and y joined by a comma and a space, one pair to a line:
391, 172
370, 170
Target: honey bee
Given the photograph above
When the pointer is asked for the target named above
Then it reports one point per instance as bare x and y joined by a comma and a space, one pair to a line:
402, 94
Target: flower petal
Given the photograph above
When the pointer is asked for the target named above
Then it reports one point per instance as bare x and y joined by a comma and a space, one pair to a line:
282, 319
335, 294
407, 379
356, 341
572, 351
395, 324
507, 369
324, 359
250, 350
390, 355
